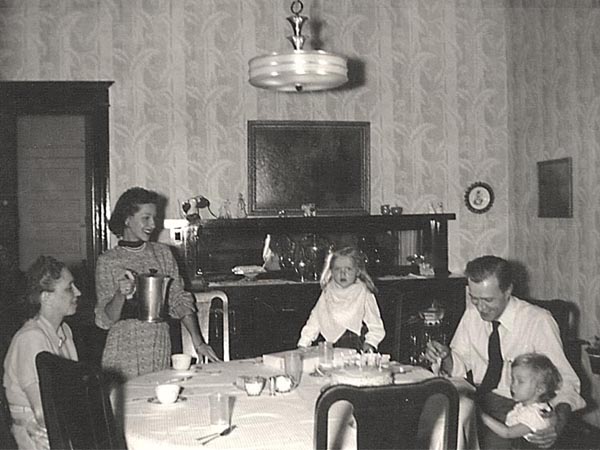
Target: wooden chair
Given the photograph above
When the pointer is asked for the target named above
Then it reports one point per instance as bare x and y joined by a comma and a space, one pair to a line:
7, 440
387, 417
76, 405
204, 301
565, 315
577, 434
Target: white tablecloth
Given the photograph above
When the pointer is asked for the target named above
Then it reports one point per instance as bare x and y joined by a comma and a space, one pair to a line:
263, 422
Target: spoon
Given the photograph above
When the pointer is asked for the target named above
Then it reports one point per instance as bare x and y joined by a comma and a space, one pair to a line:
225, 432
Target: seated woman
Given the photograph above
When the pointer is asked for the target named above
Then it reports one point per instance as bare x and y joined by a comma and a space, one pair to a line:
51, 296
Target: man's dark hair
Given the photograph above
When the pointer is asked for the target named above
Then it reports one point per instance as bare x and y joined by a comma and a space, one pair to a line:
41, 277
484, 267
128, 204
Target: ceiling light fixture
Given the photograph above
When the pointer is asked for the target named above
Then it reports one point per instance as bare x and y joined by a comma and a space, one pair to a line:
300, 70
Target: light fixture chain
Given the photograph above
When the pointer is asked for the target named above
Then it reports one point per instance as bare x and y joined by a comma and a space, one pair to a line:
296, 3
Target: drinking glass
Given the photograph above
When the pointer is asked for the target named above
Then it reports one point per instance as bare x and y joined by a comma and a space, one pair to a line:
325, 355
220, 409
293, 367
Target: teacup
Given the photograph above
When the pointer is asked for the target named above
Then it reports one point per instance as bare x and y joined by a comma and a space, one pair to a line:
167, 393
181, 361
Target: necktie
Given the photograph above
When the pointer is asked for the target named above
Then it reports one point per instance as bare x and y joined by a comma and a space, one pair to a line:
494, 369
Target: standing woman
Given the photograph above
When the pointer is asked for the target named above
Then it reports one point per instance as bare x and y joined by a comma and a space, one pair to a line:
134, 347
51, 296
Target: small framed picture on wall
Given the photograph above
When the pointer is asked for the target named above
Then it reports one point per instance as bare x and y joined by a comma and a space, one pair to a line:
555, 188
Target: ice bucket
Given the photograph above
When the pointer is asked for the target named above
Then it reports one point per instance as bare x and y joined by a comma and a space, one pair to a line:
152, 293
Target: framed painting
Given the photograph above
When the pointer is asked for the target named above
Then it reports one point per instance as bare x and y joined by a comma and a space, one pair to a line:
555, 188
292, 164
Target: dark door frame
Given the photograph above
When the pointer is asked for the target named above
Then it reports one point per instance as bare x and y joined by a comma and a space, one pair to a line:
89, 98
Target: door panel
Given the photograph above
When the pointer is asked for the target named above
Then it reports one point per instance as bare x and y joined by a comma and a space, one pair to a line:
52, 190
9, 215
54, 176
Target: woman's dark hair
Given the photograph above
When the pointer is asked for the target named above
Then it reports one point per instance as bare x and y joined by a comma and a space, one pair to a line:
128, 204
487, 266
546, 373
41, 277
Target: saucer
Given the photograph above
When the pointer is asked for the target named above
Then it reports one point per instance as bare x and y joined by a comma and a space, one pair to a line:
155, 401
184, 373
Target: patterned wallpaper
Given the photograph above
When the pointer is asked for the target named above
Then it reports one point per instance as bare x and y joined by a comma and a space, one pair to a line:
554, 50
432, 77
429, 76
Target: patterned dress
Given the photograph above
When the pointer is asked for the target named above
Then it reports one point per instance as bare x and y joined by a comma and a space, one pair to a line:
134, 347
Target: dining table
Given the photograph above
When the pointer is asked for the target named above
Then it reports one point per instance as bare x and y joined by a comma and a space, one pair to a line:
268, 421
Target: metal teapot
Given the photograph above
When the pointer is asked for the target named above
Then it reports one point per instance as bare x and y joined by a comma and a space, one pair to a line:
151, 289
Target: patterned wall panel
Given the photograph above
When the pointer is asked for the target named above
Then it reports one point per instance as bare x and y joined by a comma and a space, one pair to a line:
554, 73
430, 76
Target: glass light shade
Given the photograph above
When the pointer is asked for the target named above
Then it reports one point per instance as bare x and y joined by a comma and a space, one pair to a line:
298, 71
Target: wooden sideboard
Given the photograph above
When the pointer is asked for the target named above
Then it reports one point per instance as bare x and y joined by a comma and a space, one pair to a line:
266, 315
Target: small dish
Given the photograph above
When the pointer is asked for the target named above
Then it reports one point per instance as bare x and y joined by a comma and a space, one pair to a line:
283, 384
401, 368
155, 401
254, 385
184, 373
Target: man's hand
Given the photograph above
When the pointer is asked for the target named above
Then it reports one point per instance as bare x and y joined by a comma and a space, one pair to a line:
440, 353
207, 351
558, 419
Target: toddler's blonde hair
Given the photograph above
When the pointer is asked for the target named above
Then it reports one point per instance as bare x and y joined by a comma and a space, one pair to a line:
545, 371
358, 258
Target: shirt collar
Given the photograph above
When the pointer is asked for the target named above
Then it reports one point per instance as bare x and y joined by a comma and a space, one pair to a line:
507, 318
51, 332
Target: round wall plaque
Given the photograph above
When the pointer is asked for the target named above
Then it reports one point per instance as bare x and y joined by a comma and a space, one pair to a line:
479, 197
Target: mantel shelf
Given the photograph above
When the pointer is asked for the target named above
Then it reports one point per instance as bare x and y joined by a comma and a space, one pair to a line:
327, 223
386, 240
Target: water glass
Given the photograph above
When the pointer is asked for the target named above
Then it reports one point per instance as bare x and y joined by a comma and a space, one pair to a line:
325, 355
220, 409
293, 367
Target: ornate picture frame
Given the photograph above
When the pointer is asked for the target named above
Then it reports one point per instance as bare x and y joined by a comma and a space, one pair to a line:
555, 188
295, 163
479, 197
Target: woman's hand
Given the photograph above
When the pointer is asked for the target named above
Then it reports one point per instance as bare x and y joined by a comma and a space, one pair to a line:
38, 434
127, 284
205, 350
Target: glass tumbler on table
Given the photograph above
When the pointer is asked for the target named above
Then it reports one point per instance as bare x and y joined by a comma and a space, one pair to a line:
220, 409
325, 355
293, 367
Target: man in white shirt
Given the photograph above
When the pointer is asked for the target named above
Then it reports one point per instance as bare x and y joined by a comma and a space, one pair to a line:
522, 328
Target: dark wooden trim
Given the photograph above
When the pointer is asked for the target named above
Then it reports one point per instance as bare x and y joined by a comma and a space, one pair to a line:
89, 98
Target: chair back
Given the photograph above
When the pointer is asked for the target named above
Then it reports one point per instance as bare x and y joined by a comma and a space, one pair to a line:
7, 440
565, 314
204, 303
76, 404
387, 417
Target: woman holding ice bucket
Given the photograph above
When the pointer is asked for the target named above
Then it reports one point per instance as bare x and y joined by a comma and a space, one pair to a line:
135, 347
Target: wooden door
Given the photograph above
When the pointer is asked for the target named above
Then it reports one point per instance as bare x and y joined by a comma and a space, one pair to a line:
54, 175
